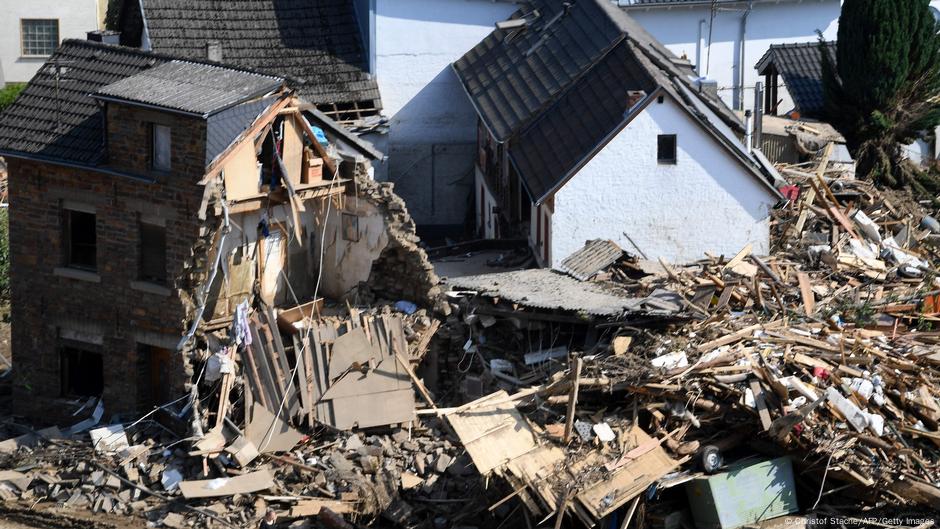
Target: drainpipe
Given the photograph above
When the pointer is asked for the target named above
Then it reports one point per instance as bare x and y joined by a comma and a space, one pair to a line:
742, 55
700, 47
748, 131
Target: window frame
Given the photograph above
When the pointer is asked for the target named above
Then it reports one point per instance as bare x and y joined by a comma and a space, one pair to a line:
23, 45
142, 225
154, 127
68, 242
72, 355
673, 160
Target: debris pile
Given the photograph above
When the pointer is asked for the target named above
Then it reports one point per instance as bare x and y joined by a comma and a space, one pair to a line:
592, 396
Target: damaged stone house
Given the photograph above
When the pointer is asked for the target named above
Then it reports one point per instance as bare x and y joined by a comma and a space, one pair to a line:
150, 197
590, 129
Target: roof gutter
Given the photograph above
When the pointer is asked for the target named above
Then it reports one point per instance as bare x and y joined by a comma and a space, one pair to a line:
76, 165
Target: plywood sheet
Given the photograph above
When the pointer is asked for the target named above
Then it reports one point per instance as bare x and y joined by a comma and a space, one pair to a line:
293, 151
244, 484
493, 435
605, 496
387, 376
350, 348
373, 409
282, 439
241, 173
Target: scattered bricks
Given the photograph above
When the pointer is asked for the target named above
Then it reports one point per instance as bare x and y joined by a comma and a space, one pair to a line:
369, 464
400, 437
419, 462
138, 506
443, 461
113, 483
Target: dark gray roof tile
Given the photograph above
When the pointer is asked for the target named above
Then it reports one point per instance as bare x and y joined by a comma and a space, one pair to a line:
313, 42
190, 87
800, 66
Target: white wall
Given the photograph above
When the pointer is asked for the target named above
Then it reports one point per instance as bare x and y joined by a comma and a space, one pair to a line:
684, 30
75, 18
706, 202
432, 123
484, 208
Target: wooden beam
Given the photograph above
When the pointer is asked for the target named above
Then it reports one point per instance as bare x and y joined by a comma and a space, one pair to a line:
573, 396
259, 124
321, 152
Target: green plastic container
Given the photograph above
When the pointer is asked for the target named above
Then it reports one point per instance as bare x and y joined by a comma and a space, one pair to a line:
743, 494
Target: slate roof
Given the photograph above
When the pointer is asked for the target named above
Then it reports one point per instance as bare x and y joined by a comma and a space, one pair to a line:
69, 128
800, 66
313, 42
189, 87
579, 121
557, 90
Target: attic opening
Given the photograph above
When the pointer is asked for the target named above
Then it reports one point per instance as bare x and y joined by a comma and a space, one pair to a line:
81, 371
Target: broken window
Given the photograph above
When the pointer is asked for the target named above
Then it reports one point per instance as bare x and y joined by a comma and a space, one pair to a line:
152, 253
80, 240
160, 147
666, 148
81, 371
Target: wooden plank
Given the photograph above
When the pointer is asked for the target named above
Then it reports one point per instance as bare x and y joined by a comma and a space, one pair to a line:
760, 403
328, 162
737, 335
417, 382
243, 484
573, 397
259, 351
806, 291
259, 124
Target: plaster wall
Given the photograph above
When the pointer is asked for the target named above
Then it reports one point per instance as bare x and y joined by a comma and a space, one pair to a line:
685, 31
432, 128
706, 202
485, 208
75, 18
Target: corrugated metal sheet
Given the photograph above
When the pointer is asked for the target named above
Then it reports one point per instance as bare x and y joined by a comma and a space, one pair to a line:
593, 257
191, 87
551, 290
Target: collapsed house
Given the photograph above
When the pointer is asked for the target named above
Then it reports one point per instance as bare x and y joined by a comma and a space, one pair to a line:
154, 199
589, 128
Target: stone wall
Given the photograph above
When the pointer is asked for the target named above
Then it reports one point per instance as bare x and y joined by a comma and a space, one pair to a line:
129, 140
109, 310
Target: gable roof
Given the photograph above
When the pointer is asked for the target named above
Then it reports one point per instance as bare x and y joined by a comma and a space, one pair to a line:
557, 106
69, 126
189, 87
800, 66
315, 43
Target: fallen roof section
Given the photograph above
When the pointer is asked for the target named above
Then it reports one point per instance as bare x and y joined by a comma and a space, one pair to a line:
591, 258
190, 88
548, 289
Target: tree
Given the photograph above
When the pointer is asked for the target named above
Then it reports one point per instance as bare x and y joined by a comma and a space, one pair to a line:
882, 91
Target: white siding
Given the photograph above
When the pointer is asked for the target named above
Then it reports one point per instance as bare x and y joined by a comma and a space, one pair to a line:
706, 202
432, 135
484, 208
75, 18
684, 30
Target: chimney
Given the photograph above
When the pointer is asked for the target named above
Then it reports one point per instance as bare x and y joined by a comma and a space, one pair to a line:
104, 36
214, 50
708, 87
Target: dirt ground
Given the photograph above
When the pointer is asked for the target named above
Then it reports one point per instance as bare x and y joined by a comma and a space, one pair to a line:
49, 517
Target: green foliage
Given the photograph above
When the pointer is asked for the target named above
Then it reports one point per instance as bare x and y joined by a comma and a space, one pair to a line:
882, 90
8, 94
112, 18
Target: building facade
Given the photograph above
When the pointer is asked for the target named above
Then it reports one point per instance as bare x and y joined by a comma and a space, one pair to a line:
31, 31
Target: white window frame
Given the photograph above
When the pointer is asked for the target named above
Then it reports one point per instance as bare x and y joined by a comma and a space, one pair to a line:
23, 45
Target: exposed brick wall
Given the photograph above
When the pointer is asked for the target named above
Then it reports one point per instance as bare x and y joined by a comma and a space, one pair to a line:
129, 139
44, 302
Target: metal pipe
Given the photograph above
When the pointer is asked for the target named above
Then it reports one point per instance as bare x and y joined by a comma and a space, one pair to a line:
742, 55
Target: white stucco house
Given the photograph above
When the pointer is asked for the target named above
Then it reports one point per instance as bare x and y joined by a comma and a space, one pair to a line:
724, 44
431, 133
590, 129
30, 31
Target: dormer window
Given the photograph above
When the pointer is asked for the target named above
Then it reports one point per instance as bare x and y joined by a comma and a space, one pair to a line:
160, 147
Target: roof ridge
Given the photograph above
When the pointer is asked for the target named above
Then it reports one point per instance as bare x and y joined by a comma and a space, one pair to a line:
156, 55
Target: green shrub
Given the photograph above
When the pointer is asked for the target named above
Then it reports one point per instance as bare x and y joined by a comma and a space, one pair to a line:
8, 94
